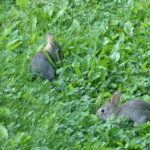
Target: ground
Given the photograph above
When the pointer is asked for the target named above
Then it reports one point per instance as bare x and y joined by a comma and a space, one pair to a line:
106, 45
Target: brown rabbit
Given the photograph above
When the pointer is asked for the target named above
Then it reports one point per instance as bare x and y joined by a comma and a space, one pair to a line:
136, 110
40, 64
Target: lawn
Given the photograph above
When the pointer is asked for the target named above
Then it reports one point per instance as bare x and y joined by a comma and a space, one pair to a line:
106, 46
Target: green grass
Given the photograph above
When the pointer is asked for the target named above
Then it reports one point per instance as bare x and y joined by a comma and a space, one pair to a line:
107, 48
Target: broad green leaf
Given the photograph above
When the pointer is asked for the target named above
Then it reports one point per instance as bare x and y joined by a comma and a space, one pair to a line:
5, 111
75, 26
22, 3
116, 56
128, 28
61, 12
3, 132
12, 45
106, 41
49, 58
77, 70
8, 30
34, 23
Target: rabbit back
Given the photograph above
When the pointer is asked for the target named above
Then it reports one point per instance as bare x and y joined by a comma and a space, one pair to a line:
136, 110
40, 66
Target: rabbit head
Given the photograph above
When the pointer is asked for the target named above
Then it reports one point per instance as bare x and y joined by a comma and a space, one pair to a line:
109, 108
53, 48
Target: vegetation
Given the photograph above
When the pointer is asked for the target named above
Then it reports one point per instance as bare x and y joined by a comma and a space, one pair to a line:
107, 48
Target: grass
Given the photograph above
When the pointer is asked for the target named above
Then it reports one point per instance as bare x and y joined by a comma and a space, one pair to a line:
107, 48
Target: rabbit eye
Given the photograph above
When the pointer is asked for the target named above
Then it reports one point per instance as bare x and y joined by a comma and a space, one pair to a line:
102, 110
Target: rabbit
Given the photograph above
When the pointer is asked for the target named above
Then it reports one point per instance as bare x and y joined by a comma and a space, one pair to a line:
40, 65
136, 110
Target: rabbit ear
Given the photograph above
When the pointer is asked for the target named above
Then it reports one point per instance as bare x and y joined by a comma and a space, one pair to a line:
50, 41
115, 98
49, 38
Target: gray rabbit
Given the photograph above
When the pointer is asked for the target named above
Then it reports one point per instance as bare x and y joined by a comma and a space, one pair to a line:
136, 110
40, 65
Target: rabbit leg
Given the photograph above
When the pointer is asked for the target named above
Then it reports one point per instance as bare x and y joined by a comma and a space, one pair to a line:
142, 119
